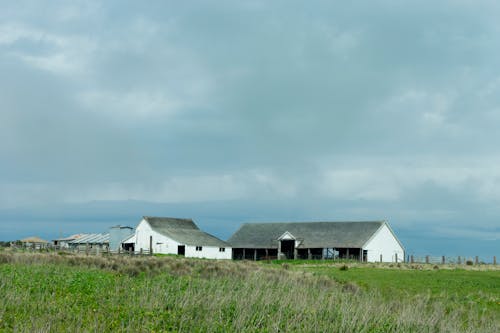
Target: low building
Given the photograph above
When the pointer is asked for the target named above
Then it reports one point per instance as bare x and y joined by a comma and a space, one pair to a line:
176, 236
90, 241
34, 242
364, 241
63, 243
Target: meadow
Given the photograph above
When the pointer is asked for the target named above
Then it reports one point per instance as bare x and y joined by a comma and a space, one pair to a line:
71, 293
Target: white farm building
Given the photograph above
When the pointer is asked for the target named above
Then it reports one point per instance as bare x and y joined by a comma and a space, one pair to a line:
176, 236
363, 241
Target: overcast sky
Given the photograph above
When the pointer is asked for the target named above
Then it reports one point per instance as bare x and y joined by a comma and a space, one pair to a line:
237, 111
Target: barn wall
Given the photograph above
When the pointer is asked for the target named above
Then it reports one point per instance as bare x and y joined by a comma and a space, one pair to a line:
165, 245
384, 243
210, 252
161, 243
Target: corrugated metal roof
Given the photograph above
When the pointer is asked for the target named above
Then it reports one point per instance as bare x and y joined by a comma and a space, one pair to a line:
183, 231
311, 234
91, 239
69, 238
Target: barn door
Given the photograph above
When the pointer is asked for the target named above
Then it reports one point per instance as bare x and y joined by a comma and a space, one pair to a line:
181, 250
288, 248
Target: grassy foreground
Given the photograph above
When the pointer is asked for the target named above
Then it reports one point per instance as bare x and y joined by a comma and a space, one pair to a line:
52, 293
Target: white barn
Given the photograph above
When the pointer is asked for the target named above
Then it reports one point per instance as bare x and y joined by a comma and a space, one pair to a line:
364, 241
176, 236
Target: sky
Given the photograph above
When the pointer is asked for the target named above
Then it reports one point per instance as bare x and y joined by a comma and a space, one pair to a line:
252, 111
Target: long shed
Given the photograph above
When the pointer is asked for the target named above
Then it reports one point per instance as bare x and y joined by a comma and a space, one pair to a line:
365, 241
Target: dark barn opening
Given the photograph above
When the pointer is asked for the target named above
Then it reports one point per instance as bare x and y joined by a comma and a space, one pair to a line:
287, 248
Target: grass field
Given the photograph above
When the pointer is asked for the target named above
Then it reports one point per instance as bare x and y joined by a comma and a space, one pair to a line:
50, 292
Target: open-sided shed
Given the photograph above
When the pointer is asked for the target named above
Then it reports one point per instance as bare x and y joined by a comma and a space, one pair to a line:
365, 241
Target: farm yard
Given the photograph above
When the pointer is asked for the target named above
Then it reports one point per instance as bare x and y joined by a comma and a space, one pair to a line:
48, 292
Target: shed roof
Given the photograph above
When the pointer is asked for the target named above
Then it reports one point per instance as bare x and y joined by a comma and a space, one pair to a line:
91, 239
184, 231
310, 234
33, 239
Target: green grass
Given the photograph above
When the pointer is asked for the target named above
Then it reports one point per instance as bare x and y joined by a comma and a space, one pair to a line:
53, 293
479, 289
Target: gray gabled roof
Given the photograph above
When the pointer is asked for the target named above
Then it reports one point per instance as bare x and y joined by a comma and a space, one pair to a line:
310, 234
184, 231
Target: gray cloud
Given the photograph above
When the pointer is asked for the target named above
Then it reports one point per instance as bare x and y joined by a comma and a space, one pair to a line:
328, 111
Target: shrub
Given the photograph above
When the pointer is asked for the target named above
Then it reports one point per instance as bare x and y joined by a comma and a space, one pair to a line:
469, 263
344, 267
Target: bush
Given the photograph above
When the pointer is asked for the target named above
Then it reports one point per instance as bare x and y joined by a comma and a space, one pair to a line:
469, 263
344, 267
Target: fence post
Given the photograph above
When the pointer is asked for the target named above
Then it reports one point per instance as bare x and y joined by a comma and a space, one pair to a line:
426, 259
380, 258
411, 259
443, 260
459, 260
494, 260
477, 260
396, 257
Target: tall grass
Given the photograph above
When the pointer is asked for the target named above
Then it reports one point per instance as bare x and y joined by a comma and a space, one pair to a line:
52, 293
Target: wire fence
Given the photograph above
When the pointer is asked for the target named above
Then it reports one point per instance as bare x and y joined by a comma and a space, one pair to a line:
456, 260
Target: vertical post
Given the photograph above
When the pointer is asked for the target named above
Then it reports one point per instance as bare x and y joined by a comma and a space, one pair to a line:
426, 259
295, 253
309, 255
140, 252
150, 245
411, 259
87, 248
443, 260
396, 257
347, 254
477, 260
254, 254
243, 254
361, 255
459, 261
119, 249
267, 254
130, 251
494, 260
381, 258
279, 248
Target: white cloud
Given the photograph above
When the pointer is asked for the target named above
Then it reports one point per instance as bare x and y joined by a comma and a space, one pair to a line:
65, 54
131, 104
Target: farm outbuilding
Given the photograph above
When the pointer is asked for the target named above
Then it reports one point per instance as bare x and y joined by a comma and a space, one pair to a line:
90, 241
34, 242
364, 241
117, 234
176, 236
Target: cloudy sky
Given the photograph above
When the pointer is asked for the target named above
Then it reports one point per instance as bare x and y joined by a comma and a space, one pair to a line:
238, 111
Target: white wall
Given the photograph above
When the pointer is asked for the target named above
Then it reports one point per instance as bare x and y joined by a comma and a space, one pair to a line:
165, 245
384, 243
161, 244
210, 252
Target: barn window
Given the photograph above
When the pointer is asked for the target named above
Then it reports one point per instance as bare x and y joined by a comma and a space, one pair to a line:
222, 249
199, 248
